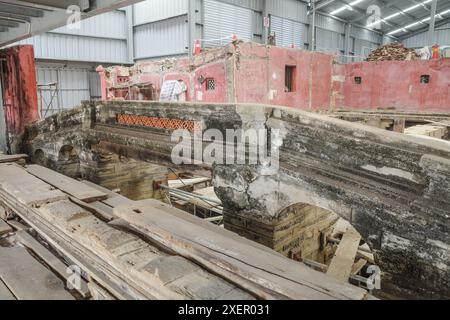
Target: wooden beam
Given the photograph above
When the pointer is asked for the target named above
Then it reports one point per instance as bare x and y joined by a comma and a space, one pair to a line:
53, 262
68, 185
344, 258
12, 158
28, 279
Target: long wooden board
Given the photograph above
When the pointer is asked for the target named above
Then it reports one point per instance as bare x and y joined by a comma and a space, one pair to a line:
28, 279
4, 228
70, 186
344, 258
53, 262
5, 294
27, 189
276, 273
4, 158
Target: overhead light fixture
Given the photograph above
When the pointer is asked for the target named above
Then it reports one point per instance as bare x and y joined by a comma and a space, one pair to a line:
404, 28
346, 7
398, 13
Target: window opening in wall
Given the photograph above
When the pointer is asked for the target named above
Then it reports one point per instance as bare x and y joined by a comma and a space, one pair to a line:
210, 84
289, 82
358, 80
425, 78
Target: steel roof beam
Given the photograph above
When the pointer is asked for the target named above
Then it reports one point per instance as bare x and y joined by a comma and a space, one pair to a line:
25, 11
8, 23
424, 29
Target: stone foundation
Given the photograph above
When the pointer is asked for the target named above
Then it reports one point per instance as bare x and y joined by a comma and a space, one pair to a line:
300, 233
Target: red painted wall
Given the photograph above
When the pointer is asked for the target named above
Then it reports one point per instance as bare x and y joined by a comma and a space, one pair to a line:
19, 88
396, 85
260, 77
255, 73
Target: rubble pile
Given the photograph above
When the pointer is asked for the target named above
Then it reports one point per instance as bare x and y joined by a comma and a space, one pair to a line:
393, 51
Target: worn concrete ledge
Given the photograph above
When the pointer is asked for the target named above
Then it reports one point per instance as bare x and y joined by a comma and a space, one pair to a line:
393, 188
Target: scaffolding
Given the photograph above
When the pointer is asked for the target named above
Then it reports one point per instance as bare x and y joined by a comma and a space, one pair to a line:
49, 99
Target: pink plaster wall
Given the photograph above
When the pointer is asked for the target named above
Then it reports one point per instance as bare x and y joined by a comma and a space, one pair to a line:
254, 73
396, 85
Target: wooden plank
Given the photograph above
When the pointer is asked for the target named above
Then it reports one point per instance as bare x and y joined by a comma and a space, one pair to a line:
17, 225
28, 279
103, 215
357, 267
66, 184
5, 294
208, 192
193, 239
81, 256
53, 262
186, 182
4, 158
4, 228
114, 199
344, 258
26, 188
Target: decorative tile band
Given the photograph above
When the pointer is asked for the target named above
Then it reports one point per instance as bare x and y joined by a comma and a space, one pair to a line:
160, 123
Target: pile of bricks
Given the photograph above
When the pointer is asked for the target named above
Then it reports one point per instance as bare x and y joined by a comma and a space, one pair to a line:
393, 51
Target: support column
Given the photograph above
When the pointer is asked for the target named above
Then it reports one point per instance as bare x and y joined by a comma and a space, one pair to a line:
265, 36
129, 11
347, 42
312, 27
431, 37
191, 26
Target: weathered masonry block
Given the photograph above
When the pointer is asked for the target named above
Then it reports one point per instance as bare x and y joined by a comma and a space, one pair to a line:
393, 188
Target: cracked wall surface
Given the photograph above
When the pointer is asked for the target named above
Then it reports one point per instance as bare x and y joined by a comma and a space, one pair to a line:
394, 189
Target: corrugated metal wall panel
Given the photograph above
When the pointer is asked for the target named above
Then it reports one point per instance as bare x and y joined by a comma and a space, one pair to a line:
78, 48
75, 84
421, 40
256, 5
155, 10
290, 9
108, 25
223, 20
162, 38
329, 41
328, 23
289, 32
367, 35
257, 23
363, 48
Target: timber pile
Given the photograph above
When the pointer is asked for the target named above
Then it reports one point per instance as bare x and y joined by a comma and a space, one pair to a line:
394, 52
151, 250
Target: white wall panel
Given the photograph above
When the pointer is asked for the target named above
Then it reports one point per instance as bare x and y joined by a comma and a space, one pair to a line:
421, 40
329, 41
223, 20
108, 25
78, 48
163, 38
289, 32
290, 9
155, 10
75, 82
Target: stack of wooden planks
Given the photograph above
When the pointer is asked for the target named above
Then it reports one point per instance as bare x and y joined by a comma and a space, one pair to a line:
150, 250
392, 51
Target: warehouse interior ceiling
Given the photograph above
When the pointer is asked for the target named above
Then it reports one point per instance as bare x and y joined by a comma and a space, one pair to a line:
396, 18
23, 19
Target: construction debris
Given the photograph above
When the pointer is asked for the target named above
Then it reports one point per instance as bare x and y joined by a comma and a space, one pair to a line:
147, 251
393, 51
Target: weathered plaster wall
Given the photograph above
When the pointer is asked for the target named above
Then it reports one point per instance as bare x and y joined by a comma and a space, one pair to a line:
255, 73
19, 90
393, 188
394, 85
